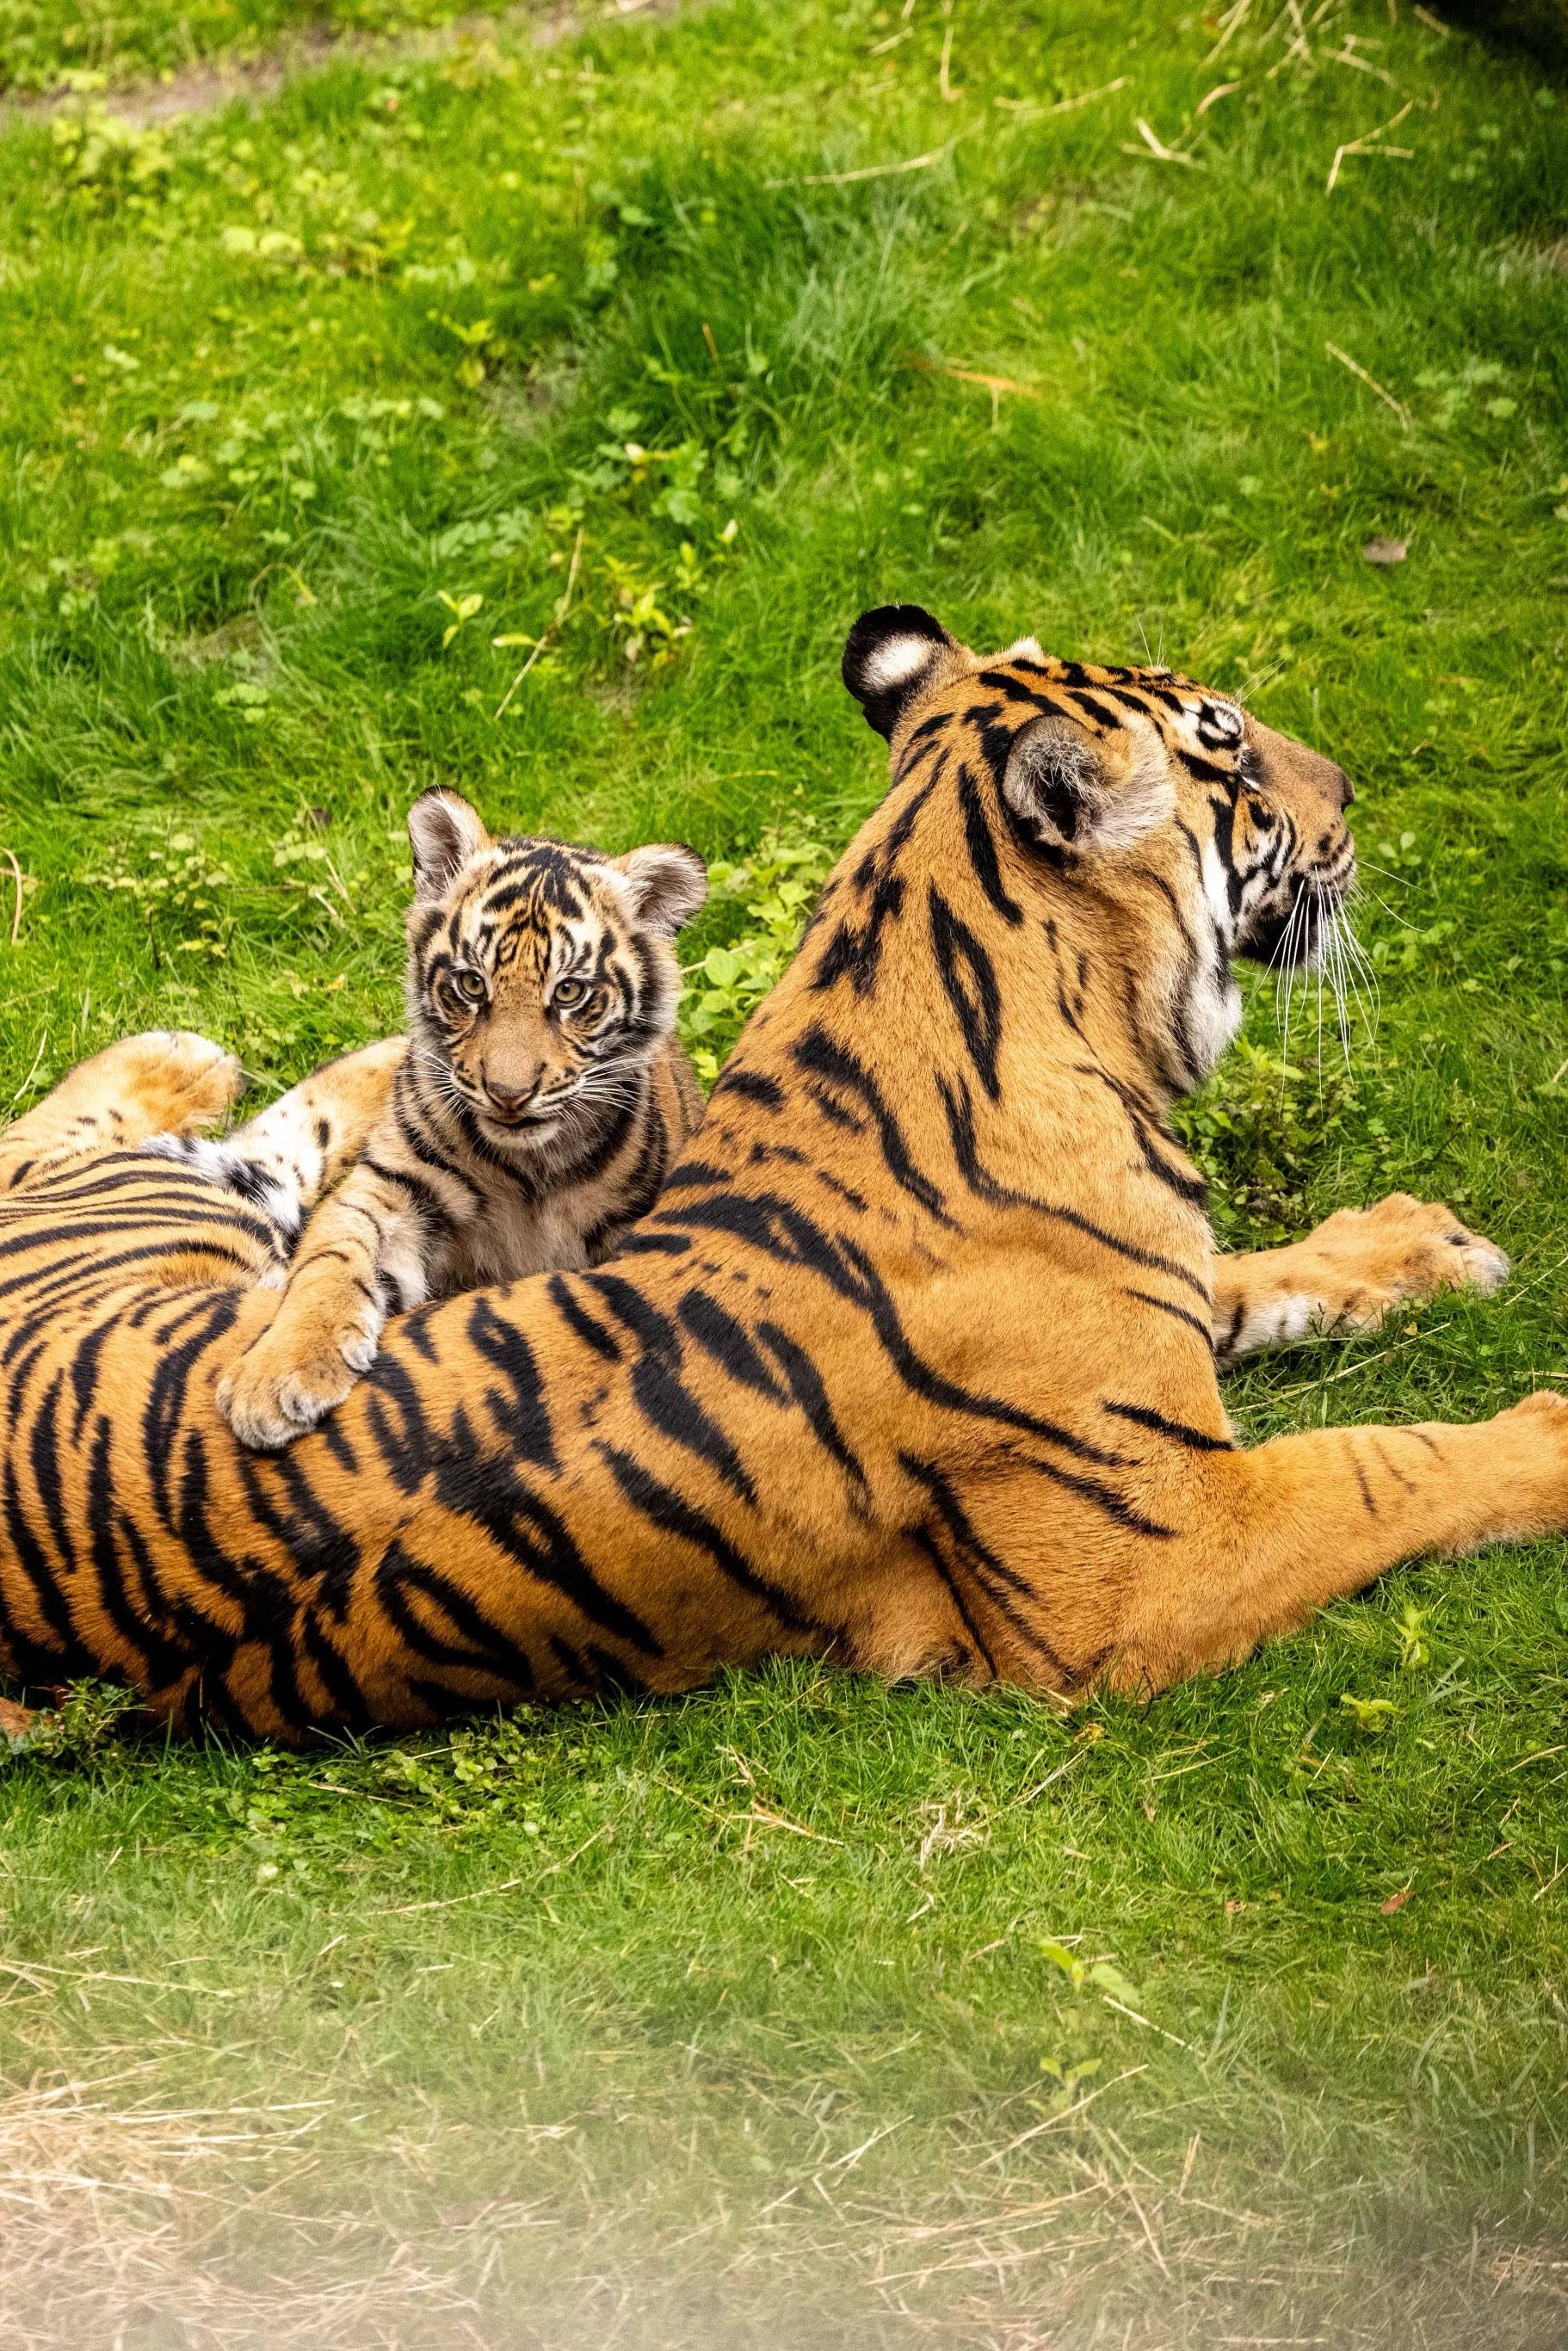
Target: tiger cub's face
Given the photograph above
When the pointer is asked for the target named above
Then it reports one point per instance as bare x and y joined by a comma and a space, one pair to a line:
541, 976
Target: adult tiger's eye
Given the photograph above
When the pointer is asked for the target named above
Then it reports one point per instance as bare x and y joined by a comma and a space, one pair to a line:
468, 985
569, 992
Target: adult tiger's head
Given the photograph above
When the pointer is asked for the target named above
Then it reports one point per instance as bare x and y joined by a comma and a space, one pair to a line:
1199, 832
539, 973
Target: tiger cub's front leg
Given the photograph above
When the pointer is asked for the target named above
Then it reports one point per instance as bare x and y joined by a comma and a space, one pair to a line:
365, 1250
1348, 1274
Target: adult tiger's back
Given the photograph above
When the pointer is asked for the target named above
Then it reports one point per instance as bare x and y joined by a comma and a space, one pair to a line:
914, 1364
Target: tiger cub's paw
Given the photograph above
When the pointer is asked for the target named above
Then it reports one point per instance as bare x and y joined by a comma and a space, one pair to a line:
1403, 1249
282, 1387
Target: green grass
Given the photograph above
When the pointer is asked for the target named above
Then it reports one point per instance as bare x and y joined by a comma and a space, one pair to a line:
723, 2022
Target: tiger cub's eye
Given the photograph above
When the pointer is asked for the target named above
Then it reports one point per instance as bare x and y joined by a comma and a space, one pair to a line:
468, 985
569, 992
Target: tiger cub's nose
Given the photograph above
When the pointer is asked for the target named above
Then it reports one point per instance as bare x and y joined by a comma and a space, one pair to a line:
509, 1100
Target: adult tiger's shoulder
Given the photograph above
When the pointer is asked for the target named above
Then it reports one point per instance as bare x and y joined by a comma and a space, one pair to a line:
913, 1365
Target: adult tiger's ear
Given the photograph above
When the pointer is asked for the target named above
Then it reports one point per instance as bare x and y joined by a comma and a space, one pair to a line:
1073, 789
669, 883
445, 833
891, 656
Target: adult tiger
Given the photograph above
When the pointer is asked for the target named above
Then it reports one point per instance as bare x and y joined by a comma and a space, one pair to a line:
914, 1365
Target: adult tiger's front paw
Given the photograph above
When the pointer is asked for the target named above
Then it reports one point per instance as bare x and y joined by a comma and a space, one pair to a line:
278, 1390
1400, 1251
182, 1081
1532, 1463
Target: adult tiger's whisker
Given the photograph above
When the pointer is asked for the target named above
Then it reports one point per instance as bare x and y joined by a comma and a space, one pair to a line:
1359, 963
1362, 891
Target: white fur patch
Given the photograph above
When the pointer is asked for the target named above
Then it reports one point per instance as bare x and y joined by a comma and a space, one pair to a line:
895, 661
251, 1180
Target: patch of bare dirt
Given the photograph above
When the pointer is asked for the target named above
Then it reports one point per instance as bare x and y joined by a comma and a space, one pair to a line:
203, 89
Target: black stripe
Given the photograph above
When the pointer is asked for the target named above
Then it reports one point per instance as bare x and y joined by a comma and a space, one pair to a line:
783, 1231
983, 849
320, 1548
430, 1209
578, 1320
752, 1084
350, 1708
926, 1543
1225, 1346
522, 1525
56, 1280
67, 1658
520, 1418
172, 1375
1103, 1498
482, 1646
1000, 1582
1180, 1432
728, 1343
1186, 1186
160, 1660
689, 1173
395, 1416
261, 1597
659, 1392
44, 1460
972, 991
835, 1065
806, 1387
424, 1149
855, 953
919, 1375
1397, 1475
959, 1107
672, 1514
1147, 1298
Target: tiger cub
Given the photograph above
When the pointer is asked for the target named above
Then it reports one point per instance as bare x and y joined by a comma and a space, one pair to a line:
543, 1095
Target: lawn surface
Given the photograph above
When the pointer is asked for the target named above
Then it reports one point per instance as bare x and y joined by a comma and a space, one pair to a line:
804, 2011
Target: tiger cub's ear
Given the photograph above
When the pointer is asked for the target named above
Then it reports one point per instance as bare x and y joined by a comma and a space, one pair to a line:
445, 833
1072, 789
668, 884
891, 655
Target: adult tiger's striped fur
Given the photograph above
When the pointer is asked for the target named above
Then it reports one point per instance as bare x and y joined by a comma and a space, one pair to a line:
542, 1097
913, 1366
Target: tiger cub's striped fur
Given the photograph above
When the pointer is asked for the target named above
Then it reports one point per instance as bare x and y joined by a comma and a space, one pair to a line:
543, 1095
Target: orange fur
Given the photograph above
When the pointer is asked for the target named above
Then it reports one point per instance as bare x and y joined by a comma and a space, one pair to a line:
913, 1366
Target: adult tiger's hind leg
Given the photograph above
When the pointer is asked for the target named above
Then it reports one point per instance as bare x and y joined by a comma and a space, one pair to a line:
285, 1158
1269, 1537
1348, 1274
165, 1080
